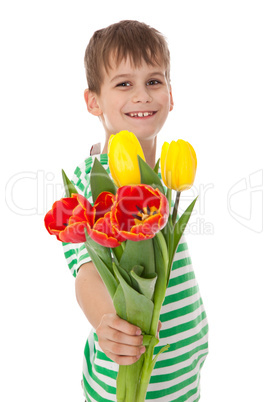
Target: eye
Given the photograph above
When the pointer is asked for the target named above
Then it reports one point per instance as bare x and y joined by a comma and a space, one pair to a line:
123, 84
153, 82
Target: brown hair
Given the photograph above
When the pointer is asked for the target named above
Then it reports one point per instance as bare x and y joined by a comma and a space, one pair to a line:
124, 39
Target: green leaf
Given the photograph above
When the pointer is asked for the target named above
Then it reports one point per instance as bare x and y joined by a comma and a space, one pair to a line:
162, 350
68, 185
134, 284
156, 168
147, 339
139, 309
100, 180
124, 273
117, 252
148, 176
181, 225
160, 286
105, 273
145, 285
120, 303
138, 253
138, 269
103, 252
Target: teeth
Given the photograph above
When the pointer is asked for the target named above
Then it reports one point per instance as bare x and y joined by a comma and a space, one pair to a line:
141, 114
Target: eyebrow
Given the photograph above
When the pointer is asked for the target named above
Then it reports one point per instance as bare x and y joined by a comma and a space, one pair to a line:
126, 76
120, 76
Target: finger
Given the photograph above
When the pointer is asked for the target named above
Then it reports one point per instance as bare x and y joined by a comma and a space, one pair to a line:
123, 360
124, 326
123, 350
123, 338
159, 326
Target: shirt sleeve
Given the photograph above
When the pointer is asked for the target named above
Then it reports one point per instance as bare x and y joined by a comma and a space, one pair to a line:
76, 253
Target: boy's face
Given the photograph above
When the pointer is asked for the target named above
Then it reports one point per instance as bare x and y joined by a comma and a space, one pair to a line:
133, 99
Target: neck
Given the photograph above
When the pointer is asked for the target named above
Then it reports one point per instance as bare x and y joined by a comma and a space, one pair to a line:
148, 147
149, 150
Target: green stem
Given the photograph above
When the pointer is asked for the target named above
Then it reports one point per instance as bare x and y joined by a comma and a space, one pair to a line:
175, 209
146, 372
163, 247
133, 380
127, 382
170, 248
118, 251
169, 197
121, 384
147, 368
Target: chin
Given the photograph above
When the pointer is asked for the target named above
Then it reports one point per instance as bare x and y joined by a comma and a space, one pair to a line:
143, 132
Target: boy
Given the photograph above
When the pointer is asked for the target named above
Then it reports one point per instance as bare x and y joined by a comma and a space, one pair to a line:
128, 74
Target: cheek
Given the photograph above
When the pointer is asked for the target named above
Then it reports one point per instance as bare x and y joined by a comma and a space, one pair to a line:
112, 104
165, 101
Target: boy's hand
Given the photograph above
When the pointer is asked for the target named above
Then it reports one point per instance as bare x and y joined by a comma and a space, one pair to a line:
120, 340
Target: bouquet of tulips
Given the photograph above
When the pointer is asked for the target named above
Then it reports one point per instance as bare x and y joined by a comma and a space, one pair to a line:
131, 237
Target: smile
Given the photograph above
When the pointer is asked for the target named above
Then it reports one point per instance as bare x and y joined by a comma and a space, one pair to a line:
140, 114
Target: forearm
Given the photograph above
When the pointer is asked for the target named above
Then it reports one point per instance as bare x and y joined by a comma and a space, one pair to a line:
92, 295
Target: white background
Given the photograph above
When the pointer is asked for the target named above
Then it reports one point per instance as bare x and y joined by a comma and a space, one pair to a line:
219, 78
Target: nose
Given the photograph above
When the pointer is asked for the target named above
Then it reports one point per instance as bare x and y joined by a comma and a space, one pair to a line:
141, 95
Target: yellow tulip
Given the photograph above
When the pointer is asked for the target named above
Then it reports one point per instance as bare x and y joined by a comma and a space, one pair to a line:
123, 149
178, 165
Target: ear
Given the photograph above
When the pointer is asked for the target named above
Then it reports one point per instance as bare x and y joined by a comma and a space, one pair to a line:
92, 103
171, 99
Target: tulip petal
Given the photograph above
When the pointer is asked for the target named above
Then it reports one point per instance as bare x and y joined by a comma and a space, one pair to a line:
83, 212
178, 165
172, 165
185, 175
139, 212
63, 209
123, 149
48, 220
103, 233
68, 218
103, 204
74, 233
163, 158
57, 218
103, 239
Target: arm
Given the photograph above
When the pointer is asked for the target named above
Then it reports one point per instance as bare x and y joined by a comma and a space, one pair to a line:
120, 340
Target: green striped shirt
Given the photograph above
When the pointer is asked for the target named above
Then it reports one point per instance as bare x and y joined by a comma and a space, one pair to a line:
176, 376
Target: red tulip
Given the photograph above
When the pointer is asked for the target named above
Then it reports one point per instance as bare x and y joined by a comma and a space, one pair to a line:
68, 218
139, 212
101, 231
